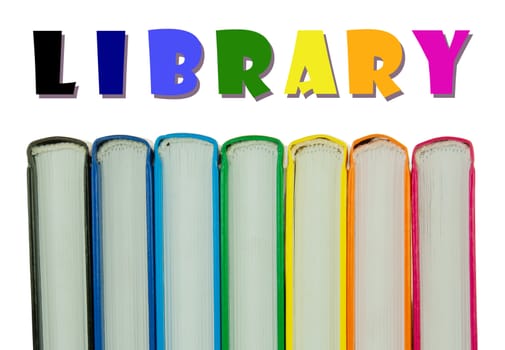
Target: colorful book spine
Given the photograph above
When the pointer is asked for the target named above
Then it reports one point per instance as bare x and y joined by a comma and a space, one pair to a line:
122, 231
187, 242
316, 192
378, 245
252, 244
443, 228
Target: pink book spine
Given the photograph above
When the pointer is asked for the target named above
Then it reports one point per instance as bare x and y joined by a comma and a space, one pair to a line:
415, 245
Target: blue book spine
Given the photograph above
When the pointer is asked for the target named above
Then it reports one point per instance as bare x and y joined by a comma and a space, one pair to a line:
97, 258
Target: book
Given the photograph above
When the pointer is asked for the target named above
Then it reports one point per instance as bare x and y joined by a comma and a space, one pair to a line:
316, 192
443, 178
252, 243
379, 259
187, 242
226, 276
60, 258
122, 230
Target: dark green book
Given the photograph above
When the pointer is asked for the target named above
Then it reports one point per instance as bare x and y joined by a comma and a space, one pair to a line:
252, 244
60, 251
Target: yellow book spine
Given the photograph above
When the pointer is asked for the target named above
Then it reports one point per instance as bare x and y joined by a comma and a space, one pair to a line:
289, 240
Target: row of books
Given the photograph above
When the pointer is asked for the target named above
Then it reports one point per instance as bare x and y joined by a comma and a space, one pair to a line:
190, 246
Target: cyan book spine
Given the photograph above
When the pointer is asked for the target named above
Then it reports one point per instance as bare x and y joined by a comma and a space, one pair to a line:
161, 317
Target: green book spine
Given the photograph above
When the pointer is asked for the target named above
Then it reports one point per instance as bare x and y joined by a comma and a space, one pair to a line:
225, 298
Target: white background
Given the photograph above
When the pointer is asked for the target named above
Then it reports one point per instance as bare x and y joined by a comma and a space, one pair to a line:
476, 113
